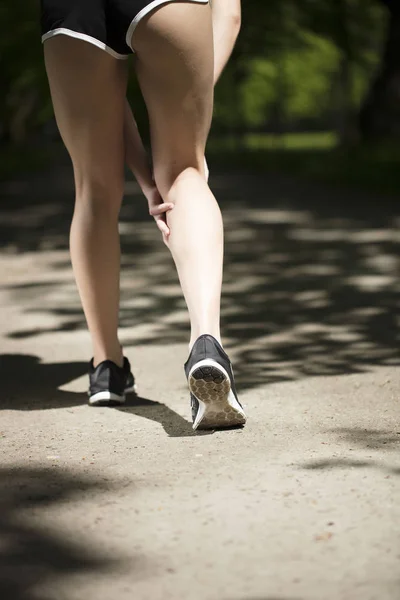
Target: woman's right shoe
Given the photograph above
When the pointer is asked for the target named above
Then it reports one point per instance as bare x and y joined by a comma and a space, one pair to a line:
212, 386
108, 383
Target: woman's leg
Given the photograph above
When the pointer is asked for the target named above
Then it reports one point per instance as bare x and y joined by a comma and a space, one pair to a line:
88, 91
174, 48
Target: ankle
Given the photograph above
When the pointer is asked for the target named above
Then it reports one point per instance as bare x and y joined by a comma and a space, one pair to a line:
116, 356
193, 338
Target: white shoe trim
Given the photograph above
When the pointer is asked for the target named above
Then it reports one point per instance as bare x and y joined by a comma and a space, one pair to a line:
200, 412
209, 362
131, 389
106, 395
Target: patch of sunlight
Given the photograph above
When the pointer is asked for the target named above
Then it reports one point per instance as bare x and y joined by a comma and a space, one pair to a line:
383, 262
370, 283
244, 283
140, 302
239, 235
178, 316
169, 291
126, 227
279, 216
370, 236
342, 334
306, 328
313, 298
369, 311
78, 385
316, 270
318, 235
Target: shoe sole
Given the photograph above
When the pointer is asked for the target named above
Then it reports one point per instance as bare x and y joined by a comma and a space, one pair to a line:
107, 398
211, 386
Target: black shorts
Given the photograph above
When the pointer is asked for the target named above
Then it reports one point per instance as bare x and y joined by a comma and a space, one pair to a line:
108, 24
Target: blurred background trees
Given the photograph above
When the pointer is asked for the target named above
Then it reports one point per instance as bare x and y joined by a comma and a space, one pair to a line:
24, 98
305, 64
327, 70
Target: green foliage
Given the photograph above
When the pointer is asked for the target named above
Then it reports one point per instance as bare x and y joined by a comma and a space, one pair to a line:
307, 75
295, 61
24, 101
362, 74
258, 93
300, 60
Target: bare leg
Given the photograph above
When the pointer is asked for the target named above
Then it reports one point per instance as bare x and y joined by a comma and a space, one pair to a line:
175, 69
88, 90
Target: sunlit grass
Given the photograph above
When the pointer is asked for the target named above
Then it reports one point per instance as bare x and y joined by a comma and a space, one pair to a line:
270, 141
289, 141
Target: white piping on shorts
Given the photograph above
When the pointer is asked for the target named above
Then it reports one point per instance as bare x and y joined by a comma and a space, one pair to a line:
86, 38
144, 12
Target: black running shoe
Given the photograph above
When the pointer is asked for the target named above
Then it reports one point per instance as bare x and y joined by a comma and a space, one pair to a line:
212, 386
109, 383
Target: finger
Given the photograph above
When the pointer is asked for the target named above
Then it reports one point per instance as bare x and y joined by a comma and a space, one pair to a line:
159, 209
162, 226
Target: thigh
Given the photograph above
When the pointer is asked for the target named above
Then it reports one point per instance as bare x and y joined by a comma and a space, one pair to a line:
175, 63
88, 89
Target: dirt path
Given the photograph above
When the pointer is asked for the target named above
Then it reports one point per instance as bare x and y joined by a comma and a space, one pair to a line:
303, 504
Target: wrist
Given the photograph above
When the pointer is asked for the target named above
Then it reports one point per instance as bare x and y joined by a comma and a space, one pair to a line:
148, 189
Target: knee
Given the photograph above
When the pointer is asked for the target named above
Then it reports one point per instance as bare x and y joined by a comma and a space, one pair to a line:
99, 194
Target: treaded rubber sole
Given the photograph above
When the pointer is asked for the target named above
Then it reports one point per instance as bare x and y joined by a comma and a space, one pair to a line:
218, 407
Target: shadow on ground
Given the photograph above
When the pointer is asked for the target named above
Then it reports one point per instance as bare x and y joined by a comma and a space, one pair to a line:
31, 553
29, 384
38, 389
173, 424
360, 439
311, 277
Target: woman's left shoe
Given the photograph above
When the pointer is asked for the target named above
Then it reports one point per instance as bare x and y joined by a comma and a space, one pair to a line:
212, 386
108, 383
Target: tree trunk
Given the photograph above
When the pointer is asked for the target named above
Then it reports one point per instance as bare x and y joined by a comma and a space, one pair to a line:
380, 114
345, 116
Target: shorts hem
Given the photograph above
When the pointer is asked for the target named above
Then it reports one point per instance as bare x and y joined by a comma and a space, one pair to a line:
86, 38
144, 12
